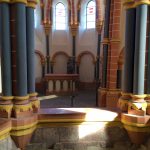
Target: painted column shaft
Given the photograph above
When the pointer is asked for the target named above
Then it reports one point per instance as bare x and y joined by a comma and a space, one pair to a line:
52, 70
105, 46
127, 78
21, 49
6, 49
98, 56
47, 51
140, 46
30, 49
104, 71
107, 18
119, 74
148, 63
74, 52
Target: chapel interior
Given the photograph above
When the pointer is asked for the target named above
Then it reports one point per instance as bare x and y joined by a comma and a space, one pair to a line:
74, 75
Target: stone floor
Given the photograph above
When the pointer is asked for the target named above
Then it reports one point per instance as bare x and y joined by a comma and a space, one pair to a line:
85, 98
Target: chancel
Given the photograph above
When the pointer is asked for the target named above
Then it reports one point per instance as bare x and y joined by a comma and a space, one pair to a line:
75, 74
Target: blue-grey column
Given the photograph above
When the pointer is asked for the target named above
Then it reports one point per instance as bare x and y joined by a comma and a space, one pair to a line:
98, 56
6, 49
97, 67
21, 49
105, 46
30, 49
74, 52
140, 46
127, 78
148, 61
47, 53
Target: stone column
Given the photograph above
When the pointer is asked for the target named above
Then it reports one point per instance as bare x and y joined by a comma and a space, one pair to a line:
127, 78
113, 93
74, 28
99, 24
47, 27
98, 56
138, 106
102, 90
74, 52
148, 68
22, 106
30, 55
6, 99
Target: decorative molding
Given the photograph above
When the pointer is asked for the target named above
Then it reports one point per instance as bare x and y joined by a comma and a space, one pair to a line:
33, 94
99, 26
7, 98
128, 4
58, 53
105, 41
31, 3
5, 1
74, 28
47, 26
22, 108
21, 98
42, 58
22, 132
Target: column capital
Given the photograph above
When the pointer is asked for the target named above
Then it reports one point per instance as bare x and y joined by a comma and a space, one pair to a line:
99, 25
134, 3
74, 28
47, 27
106, 41
4, 1
31, 3
19, 1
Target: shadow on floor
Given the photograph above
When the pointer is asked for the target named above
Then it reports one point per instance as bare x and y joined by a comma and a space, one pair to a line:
80, 99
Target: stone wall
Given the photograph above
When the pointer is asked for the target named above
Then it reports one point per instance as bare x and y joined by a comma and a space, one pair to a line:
80, 138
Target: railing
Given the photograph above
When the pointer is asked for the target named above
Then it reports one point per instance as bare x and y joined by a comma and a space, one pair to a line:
61, 83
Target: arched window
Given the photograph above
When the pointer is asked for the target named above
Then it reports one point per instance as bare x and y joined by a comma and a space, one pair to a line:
90, 14
60, 16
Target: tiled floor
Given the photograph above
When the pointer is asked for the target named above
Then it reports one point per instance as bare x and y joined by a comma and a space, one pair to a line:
81, 99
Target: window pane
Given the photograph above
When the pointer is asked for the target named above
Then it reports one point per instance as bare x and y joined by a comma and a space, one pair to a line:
90, 25
60, 17
60, 12
90, 14
91, 18
91, 10
60, 26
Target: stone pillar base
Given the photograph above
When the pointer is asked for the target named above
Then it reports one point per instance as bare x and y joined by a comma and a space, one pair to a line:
102, 97
136, 127
112, 98
147, 99
5, 110
6, 106
22, 107
148, 108
123, 101
137, 106
35, 103
20, 111
22, 141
